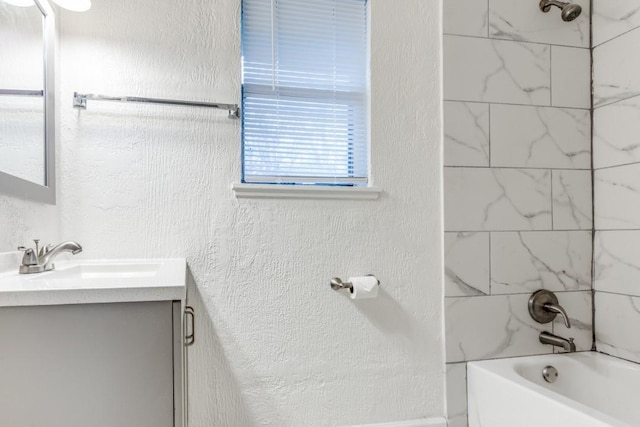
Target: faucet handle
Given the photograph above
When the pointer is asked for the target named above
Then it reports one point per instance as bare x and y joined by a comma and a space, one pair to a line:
555, 308
30, 257
544, 307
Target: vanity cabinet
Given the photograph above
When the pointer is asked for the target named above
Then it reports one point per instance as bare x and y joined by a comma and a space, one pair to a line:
91, 365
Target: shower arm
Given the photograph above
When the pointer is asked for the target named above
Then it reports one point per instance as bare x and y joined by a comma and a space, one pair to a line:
545, 5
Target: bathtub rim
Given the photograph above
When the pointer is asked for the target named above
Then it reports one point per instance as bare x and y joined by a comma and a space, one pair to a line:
505, 370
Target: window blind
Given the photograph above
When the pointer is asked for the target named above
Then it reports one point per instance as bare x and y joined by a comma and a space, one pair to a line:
305, 91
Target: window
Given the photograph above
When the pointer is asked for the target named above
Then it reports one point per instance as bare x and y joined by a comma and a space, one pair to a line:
305, 92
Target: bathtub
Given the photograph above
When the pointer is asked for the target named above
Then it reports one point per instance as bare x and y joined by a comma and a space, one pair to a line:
592, 390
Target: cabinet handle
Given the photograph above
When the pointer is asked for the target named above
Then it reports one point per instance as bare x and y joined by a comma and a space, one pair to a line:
190, 314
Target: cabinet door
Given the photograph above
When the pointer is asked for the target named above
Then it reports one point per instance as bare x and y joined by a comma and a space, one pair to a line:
98, 365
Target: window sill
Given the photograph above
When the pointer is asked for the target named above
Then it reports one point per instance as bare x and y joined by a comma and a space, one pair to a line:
274, 191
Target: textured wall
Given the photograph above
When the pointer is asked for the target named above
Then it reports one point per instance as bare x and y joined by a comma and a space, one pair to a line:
616, 157
275, 345
517, 185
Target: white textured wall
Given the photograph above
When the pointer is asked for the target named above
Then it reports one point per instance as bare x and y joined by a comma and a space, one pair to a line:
275, 345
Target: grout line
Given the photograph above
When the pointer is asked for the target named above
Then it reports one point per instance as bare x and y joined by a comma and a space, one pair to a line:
489, 135
514, 168
528, 292
609, 230
610, 293
552, 203
516, 104
612, 38
593, 186
550, 75
608, 167
490, 265
548, 353
575, 230
618, 357
490, 38
635, 95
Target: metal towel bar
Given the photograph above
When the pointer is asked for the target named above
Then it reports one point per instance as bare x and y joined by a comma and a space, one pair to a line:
21, 92
80, 101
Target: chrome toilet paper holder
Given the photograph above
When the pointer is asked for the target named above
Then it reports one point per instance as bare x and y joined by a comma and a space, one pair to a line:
337, 284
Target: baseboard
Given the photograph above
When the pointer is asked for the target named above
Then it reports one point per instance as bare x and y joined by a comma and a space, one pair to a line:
431, 422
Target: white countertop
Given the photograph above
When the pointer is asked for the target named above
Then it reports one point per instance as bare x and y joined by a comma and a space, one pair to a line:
92, 281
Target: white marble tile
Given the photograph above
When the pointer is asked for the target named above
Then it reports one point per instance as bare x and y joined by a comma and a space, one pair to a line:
616, 133
524, 21
466, 134
570, 77
466, 17
485, 70
507, 328
477, 199
614, 17
540, 137
457, 394
466, 260
617, 261
616, 72
572, 208
617, 197
617, 319
578, 308
523, 262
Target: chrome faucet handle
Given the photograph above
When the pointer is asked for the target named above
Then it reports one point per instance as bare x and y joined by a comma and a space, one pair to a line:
555, 308
544, 307
29, 257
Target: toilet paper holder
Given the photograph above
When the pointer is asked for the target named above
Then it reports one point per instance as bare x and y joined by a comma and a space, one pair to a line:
337, 284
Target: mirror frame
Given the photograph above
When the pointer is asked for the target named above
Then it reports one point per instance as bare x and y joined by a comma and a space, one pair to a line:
20, 187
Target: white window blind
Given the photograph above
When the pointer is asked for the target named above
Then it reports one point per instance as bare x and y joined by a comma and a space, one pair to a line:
305, 92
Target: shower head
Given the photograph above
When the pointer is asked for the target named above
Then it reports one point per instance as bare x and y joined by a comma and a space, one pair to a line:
569, 12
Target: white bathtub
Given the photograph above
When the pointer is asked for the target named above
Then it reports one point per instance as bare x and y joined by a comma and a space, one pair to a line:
592, 390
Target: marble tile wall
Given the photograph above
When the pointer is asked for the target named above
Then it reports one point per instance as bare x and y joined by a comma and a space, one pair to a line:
517, 157
616, 160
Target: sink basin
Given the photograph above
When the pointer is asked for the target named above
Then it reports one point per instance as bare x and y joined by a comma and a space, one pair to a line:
102, 271
94, 281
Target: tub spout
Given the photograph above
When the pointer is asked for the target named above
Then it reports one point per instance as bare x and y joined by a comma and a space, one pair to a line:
567, 344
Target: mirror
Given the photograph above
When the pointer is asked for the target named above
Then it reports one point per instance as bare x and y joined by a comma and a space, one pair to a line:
27, 130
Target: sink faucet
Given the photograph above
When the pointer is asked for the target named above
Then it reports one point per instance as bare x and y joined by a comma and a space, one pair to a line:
39, 260
551, 339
